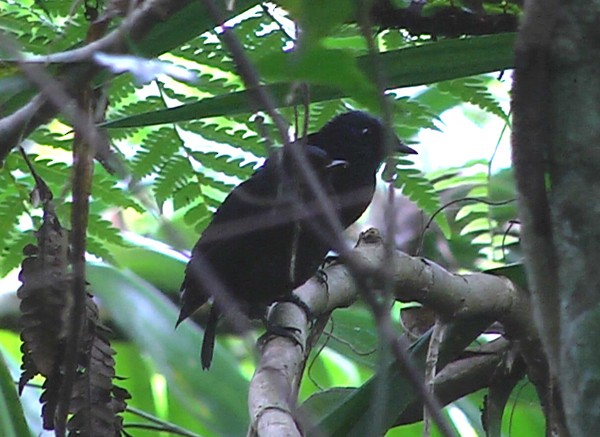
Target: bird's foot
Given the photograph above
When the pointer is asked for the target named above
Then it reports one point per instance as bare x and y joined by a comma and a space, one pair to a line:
292, 298
323, 279
321, 276
275, 330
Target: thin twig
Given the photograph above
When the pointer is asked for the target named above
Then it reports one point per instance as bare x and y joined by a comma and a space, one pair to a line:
452, 202
399, 346
489, 183
350, 346
318, 352
384, 323
162, 425
433, 353
83, 168
511, 223
53, 93
381, 387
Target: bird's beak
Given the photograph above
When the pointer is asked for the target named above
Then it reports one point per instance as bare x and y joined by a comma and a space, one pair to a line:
338, 163
399, 146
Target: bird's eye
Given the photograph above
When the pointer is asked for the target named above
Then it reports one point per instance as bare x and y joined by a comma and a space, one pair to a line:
365, 131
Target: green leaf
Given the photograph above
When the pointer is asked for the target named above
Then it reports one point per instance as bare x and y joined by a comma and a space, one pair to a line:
148, 319
317, 19
106, 190
515, 272
353, 414
354, 335
225, 164
337, 69
174, 174
12, 419
421, 191
11, 208
157, 147
186, 194
187, 23
152, 261
475, 91
13, 253
424, 64
198, 216
235, 131
15, 90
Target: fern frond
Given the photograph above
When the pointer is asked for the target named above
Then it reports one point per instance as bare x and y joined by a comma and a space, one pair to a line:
148, 104
12, 253
198, 216
474, 90
100, 232
186, 194
234, 131
11, 208
421, 191
207, 50
225, 164
105, 189
259, 36
412, 114
159, 146
104, 230
174, 174
43, 27
217, 184
45, 136
122, 91
97, 247
321, 113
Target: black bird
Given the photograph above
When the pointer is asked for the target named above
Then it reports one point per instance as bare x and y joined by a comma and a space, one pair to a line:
266, 237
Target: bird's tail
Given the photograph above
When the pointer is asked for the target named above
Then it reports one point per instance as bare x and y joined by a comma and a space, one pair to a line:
208, 343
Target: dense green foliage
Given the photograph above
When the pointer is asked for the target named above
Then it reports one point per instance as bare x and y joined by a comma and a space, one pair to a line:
179, 148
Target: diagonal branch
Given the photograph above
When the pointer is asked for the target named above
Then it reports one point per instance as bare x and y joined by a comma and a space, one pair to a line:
453, 296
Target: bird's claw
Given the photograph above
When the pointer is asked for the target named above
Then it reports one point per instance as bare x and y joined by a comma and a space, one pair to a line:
281, 331
292, 298
321, 276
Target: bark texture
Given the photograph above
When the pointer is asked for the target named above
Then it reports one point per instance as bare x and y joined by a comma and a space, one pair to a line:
556, 152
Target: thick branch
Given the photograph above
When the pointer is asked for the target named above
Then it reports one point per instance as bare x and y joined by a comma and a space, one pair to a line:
461, 377
83, 158
412, 279
449, 21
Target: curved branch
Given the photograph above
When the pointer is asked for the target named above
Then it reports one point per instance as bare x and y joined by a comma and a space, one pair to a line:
271, 396
462, 377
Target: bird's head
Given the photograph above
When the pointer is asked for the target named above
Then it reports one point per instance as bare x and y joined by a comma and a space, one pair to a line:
357, 138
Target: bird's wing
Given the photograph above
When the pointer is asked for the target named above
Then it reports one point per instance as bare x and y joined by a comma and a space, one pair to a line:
245, 210
257, 203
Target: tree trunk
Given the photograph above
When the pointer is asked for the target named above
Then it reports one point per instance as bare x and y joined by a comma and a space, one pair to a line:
556, 153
